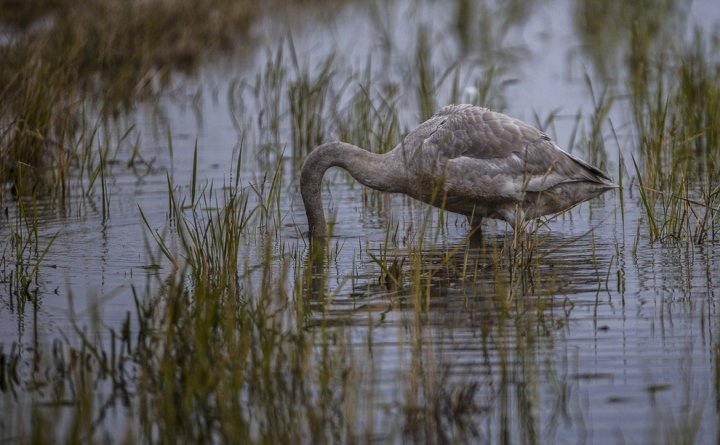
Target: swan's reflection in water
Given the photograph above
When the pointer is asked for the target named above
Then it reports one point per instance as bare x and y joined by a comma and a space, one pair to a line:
462, 335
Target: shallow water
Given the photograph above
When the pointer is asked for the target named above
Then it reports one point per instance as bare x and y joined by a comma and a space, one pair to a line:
624, 347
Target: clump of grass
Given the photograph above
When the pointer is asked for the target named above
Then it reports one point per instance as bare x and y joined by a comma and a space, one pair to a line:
308, 95
267, 91
22, 256
698, 107
63, 57
593, 139
616, 32
679, 131
370, 118
291, 95
119, 47
37, 123
426, 82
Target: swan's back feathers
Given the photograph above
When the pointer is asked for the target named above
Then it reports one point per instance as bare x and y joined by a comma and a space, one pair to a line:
466, 130
479, 149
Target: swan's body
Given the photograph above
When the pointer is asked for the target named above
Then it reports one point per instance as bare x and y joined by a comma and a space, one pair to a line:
464, 159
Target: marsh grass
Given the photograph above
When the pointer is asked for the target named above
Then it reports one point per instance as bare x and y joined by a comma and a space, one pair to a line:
22, 255
308, 96
36, 125
64, 59
235, 340
370, 118
426, 77
678, 131
268, 93
218, 350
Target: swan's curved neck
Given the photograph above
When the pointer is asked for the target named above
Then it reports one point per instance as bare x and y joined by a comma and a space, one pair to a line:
380, 172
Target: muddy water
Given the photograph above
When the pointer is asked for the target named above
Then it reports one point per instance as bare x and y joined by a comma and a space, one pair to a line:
625, 347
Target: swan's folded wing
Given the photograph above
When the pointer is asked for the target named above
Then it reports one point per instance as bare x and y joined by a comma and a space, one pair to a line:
503, 157
479, 133
489, 155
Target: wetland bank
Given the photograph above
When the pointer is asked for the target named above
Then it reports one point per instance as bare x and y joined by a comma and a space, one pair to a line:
156, 283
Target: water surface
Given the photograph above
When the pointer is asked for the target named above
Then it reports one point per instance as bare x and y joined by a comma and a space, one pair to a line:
610, 338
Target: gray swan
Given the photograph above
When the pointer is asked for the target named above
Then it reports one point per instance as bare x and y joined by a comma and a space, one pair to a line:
464, 159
